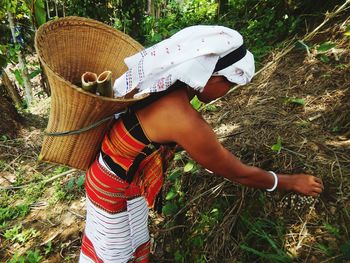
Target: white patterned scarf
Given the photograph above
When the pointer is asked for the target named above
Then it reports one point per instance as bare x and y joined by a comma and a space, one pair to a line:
190, 56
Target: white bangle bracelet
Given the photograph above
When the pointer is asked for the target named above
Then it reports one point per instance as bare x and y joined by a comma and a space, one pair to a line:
275, 183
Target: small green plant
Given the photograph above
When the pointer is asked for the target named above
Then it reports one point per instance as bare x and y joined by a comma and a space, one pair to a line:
48, 248
75, 184
297, 101
67, 190
196, 103
179, 256
332, 230
324, 47
174, 197
60, 169
30, 257
16, 234
33, 192
277, 147
4, 138
322, 50
264, 240
13, 212
210, 107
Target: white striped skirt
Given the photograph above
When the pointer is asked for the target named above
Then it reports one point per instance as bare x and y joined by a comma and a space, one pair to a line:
116, 229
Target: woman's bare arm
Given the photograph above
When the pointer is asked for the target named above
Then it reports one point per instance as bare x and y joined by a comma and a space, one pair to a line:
173, 119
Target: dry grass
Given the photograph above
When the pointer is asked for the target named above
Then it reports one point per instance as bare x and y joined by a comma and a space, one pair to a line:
315, 139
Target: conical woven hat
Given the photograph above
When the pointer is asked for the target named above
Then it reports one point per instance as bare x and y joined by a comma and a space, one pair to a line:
68, 47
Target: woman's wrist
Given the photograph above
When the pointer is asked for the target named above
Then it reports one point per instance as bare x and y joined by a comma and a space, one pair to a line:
275, 183
285, 182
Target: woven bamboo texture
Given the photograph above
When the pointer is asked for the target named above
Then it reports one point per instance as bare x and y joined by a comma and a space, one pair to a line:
68, 47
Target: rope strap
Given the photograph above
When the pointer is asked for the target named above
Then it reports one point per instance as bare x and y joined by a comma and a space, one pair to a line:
84, 129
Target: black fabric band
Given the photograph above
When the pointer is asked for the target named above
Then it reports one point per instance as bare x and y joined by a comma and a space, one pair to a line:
147, 151
231, 58
129, 175
114, 167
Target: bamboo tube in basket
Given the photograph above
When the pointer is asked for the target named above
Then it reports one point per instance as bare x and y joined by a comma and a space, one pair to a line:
104, 84
89, 82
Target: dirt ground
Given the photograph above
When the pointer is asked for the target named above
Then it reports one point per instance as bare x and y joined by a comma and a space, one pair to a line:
302, 100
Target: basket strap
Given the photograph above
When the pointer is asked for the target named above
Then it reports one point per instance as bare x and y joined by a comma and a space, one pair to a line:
84, 129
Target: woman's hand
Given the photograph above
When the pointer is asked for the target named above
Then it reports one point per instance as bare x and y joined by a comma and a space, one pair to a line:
306, 184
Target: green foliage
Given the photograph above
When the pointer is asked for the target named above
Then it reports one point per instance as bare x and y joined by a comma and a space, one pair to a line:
264, 239
297, 101
345, 249
277, 147
170, 208
193, 241
48, 248
69, 189
324, 47
101, 10
174, 175
196, 103
39, 12
189, 166
177, 15
332, 230
19, 78
30, 257
17, 234
13, 212
35, 72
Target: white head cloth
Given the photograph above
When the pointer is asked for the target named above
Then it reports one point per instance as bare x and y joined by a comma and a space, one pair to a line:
190, 56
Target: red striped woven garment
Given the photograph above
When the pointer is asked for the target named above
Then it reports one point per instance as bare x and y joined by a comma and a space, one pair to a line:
117, 213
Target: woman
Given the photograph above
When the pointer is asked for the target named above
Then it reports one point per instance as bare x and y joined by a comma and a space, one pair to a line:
128, 173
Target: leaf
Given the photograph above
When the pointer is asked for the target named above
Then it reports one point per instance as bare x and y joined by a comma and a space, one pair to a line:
198, 241
211, 107
81, 181
298, 101
188, 167
179, 257
70, 184
19, 77
174, 175
33, 256
277, 147
324, 59
171, 195
169, 209
196, 103
177, 157
34, 73
324, 47
332, 230
295, 101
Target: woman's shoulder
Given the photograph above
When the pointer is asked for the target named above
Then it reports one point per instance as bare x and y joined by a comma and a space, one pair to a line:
166, 116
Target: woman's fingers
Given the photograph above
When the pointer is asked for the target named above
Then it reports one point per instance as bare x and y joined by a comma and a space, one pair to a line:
318, 190
319, 181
